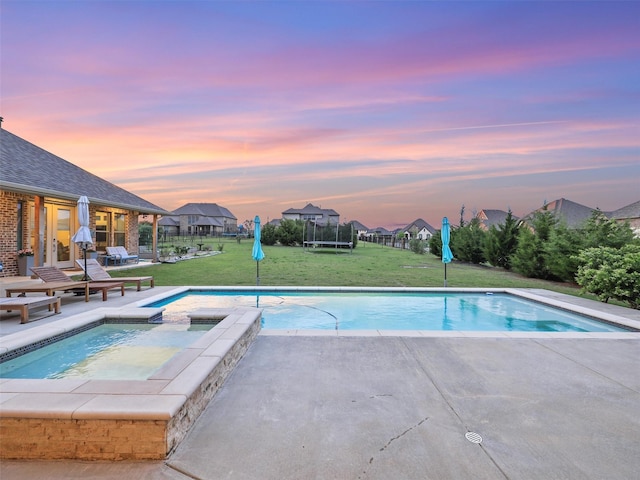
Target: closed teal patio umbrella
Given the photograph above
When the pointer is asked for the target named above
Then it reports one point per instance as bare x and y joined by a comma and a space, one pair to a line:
257, 252
447, 256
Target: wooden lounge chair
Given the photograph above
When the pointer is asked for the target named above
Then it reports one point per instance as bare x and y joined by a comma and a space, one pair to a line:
98, 274
49, 288
121, 255
54, 274
23, 304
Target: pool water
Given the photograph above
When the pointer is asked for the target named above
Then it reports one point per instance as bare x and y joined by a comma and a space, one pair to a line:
390, 311
108, 352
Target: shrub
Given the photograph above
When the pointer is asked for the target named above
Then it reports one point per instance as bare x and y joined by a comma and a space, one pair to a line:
611, 273
268, 235
435, 244
289, 232
417, 246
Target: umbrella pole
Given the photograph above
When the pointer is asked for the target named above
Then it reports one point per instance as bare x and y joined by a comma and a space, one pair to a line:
258, 274
445, 274
85, 278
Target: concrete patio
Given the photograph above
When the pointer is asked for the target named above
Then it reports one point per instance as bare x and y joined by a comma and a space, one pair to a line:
362, 407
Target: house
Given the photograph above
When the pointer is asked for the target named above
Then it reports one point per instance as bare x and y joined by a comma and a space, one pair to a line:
38, 199
204, 219
318, 215
489, 218
629, 213
572, 213
361, 229
418, 229
380, 235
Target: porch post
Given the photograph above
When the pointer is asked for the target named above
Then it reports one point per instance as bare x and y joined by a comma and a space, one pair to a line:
154, 239
38, 234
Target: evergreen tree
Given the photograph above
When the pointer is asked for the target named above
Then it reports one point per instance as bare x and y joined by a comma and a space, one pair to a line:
435, 244
268, 235
501, 242
529, 258
289, 232
467, 242
600, 231
560, 252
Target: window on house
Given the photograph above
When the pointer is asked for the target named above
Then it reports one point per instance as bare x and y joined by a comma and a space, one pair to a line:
102, 230
119, 229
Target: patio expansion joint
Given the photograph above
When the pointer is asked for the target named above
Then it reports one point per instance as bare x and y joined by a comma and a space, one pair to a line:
582, 365
449, 404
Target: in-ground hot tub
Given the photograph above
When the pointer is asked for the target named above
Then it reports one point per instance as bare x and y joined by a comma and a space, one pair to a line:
97, 419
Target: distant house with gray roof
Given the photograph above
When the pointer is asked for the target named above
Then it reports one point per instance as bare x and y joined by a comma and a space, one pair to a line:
360, 228
321, 216
380, 235
629, 213
203, 219
572, 213
38, 199
418, 229
489, 218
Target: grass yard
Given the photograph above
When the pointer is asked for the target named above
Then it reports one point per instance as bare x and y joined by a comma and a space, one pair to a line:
369, 265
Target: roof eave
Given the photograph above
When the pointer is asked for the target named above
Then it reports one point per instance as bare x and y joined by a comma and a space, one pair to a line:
45, 192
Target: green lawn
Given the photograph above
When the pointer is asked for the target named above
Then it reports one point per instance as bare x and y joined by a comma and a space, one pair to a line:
369, 265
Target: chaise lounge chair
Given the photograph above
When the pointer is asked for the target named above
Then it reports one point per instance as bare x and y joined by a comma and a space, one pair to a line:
55, 275
120, 255
23, 304
98, 274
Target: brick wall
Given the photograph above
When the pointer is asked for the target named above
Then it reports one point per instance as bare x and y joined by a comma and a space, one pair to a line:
8, 231
51, 438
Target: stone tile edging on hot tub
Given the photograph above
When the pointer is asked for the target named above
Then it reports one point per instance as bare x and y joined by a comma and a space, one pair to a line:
97, 419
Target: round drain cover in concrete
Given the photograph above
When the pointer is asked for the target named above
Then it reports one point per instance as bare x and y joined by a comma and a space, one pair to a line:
473, 437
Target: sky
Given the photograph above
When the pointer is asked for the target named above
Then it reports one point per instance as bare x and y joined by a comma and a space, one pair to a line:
383, 111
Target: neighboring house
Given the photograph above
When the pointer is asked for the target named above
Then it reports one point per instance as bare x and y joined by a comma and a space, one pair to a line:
629, 213
320, 216
38, 199
489, 218
572, 213
204, 219
380, 235
418, 229
361, 229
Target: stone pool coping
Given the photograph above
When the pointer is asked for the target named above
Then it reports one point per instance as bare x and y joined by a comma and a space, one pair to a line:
118, 419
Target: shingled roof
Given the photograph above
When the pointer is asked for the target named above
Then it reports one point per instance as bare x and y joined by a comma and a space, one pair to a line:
574, 214
419, 224
359, 226
489, 217
204, 209
27, 168
309, 209
627, 212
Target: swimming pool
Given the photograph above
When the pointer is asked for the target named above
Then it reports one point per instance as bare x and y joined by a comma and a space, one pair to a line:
386, 310
106, 352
